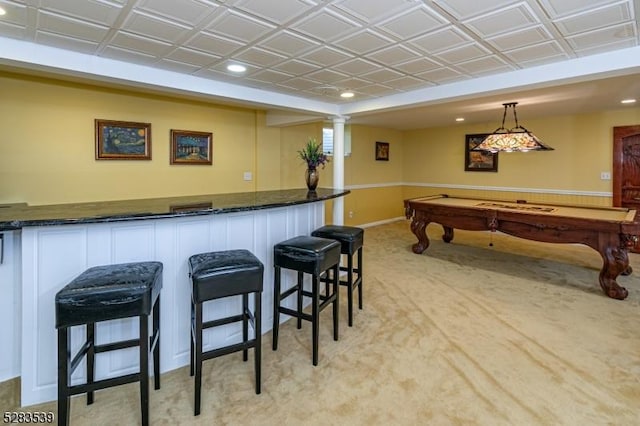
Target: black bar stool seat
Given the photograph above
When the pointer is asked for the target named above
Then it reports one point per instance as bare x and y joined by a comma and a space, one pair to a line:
106, 293
311, 255
215, 275
351, 240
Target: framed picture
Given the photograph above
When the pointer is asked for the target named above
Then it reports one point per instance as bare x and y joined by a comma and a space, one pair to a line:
382, 151
478, 161
122, 140
189, 147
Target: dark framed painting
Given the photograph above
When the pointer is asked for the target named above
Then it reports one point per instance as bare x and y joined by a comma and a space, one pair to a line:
188, 147
478, 161
382, 151
122, 140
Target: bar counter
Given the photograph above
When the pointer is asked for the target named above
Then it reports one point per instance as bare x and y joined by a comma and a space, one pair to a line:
45, 247
16, 216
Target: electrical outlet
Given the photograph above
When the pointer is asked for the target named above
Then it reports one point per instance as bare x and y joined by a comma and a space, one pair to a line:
248, 176
605, 176
351, 214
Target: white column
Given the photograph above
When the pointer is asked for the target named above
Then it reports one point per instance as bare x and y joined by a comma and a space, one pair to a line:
338, 167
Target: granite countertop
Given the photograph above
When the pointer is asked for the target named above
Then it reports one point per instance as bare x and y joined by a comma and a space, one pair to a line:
20, 215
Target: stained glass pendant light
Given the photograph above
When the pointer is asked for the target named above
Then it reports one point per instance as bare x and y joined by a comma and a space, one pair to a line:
516, 139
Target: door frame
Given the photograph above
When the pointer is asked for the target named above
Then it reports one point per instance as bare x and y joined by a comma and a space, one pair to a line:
619, 133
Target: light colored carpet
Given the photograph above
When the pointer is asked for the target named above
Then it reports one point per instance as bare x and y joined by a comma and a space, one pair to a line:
465, 334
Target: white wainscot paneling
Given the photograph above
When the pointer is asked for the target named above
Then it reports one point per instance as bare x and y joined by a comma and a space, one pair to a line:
51, 257
10, 306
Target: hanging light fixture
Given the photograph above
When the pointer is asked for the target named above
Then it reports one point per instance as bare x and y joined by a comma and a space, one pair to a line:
516, 139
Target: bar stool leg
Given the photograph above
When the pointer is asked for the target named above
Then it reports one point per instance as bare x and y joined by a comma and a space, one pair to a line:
192, 352
245, 324
276, 306
360, 278
300, 287
315, 316
64, 357
336, 292
257, 327
144, 368
198, 357
350, 288
156, 340
91, 358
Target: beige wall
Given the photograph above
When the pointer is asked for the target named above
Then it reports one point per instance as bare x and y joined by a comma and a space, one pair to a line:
293, 139
47, 153
48, 144
583, 148
377, 185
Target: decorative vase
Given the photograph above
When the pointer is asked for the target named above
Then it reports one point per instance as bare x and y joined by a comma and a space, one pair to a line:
312, 176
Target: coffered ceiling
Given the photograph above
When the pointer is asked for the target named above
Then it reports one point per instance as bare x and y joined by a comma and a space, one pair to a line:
403, 59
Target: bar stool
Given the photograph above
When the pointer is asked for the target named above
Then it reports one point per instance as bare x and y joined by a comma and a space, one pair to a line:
216, 275
106, 293
313, 256
351, 239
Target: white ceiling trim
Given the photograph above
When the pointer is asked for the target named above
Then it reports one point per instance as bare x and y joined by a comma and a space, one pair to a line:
64, 63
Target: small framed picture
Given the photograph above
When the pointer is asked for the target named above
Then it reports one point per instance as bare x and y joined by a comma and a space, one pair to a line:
122, 140
478, 161
188, 147
382, 151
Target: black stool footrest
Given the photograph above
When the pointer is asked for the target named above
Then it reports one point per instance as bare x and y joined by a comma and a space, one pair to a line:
104, 383
295, 314
115, 346
237, 347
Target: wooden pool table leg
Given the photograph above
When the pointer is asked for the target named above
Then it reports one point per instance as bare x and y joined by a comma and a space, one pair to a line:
418, 227
616, 262
448, 234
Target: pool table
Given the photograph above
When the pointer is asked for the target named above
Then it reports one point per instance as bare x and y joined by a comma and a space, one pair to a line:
609, 231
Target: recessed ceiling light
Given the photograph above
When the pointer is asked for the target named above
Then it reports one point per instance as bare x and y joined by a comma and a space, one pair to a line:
347, 94
236, 68
628, 101
2, 11
460, 119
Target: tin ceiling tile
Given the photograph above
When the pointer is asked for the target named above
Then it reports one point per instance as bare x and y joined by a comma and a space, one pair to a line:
280, 11
594, 19
521, 38
240, 27
413, 22
186, 12
289, 43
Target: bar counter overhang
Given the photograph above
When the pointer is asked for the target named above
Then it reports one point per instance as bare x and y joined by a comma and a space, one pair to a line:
45, 247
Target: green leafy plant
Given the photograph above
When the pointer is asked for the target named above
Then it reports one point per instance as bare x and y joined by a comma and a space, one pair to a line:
312, 154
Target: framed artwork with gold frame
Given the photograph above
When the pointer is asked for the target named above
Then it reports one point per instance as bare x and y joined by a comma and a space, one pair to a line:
122, 140
189, 147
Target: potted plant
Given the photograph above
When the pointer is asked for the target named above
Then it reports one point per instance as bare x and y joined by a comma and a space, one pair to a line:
313, 156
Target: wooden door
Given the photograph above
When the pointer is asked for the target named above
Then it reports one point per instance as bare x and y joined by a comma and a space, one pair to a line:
626, 167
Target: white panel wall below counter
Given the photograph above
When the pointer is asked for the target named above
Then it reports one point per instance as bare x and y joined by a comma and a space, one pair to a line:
52, 256
10, 305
